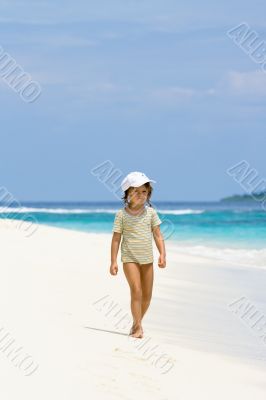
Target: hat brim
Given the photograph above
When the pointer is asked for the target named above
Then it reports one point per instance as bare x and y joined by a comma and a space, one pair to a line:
124, 188
144, 181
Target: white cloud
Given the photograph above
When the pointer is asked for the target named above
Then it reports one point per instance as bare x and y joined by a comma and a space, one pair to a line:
178, 94
251, 83
64, 41
174, 93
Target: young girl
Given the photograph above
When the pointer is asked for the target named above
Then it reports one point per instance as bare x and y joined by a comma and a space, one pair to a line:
137, 223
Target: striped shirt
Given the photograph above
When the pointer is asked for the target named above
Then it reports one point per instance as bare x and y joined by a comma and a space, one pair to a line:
136, 233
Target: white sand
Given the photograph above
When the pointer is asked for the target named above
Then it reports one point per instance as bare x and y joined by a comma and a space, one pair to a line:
60, 304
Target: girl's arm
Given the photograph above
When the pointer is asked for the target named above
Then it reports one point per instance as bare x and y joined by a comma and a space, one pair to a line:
114, 251
159, 240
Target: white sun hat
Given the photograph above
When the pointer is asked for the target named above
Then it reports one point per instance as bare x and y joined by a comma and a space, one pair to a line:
135, 179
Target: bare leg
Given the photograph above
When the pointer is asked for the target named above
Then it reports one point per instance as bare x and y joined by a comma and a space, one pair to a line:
132, 273
146, 277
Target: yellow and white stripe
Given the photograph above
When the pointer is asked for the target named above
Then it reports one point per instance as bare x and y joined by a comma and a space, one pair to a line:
137, 235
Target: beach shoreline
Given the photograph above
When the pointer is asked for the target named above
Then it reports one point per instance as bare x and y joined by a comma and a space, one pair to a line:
60, 303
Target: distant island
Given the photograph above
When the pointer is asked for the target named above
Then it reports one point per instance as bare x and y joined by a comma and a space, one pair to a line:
260, 196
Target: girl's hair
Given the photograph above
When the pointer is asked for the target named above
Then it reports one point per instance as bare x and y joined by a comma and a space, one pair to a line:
147, 185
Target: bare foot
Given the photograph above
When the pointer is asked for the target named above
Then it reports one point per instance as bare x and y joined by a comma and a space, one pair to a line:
132, 330
136, 331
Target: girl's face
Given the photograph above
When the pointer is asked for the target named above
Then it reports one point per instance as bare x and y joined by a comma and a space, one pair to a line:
138, 195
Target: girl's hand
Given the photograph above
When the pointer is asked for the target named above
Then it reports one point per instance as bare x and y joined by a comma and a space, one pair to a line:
162, 262
114, 268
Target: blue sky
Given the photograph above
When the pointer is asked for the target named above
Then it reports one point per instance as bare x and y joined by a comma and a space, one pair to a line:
153, 86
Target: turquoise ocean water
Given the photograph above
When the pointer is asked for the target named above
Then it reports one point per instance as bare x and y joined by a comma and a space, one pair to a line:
235, 231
